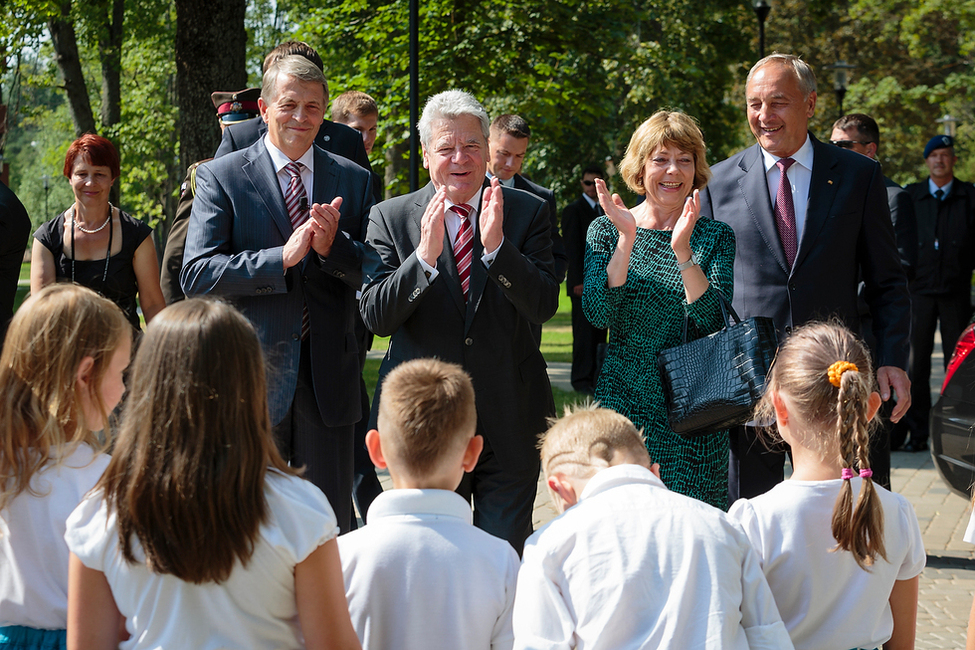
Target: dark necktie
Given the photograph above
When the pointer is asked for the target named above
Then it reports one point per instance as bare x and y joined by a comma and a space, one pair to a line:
297, 202
939, 194
464, 246
785, 212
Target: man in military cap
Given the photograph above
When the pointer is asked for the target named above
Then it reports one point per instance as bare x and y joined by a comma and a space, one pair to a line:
233, 107
942, 286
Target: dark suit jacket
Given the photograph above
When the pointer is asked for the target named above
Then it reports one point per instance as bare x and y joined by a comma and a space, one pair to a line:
490, 335
237, 230
946, 239
905, 225
14, 232
576, 218
558, 247
847, 232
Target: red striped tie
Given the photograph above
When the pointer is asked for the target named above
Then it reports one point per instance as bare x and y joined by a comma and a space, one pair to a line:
296, 201
464, 246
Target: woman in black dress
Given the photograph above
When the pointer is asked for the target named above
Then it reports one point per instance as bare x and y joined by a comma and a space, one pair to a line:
94, 243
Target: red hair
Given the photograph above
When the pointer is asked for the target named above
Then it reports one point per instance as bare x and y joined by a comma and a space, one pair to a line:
96, 150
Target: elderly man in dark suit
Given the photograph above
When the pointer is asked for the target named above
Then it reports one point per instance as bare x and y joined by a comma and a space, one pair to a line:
461, 270
274, 229
508, 143
586, 339
810, 219
14, 232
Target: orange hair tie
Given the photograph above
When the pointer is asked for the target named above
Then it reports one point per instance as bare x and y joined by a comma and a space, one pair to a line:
835, 372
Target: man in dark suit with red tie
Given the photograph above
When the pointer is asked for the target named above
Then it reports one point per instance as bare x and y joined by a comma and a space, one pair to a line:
461, 270
810, 219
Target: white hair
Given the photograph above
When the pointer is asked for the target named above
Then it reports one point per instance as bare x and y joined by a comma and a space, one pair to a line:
290, 66
804, 73
447, 106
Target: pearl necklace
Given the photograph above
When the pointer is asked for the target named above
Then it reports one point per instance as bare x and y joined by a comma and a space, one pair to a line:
108, 220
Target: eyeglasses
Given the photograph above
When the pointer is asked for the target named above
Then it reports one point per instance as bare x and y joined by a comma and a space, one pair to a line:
849, 144
588, 183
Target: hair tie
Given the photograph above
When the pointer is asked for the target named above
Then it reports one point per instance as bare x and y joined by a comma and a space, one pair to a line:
847, 473
866, 473
836, 370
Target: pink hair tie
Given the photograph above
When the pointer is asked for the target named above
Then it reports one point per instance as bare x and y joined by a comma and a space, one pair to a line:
866, 473
848, 473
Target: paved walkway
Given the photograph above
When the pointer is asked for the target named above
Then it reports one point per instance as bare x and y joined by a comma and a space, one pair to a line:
948, 582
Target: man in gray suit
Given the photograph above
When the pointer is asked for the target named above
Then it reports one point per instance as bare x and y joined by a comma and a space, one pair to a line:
804, 237
461, 270
275, 228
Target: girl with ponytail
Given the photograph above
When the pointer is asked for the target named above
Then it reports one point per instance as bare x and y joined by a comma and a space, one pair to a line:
841, 554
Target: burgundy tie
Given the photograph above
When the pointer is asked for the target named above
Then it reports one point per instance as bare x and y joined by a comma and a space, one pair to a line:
785, 212
464, 246
296, 201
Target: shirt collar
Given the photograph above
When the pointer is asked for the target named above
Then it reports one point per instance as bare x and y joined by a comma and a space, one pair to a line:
617, 475
933, 187
475, 202
591, 202
279, 160
802, 157
507, 183
436, 503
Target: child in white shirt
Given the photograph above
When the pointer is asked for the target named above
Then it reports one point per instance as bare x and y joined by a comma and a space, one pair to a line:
630, 564
419, 575
60, 377
199, 535
844, 569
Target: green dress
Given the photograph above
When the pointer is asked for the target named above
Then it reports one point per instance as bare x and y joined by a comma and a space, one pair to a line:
645, 316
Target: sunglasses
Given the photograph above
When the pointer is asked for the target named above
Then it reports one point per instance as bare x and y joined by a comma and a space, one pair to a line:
848, 144
588, 183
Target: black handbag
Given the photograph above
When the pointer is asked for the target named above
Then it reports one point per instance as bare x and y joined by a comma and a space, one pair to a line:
714, 382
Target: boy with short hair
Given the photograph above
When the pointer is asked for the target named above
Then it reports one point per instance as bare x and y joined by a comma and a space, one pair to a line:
419, 575
358, 110
629, 564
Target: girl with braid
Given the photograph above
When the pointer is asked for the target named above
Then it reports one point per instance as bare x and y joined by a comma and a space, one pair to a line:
841, 554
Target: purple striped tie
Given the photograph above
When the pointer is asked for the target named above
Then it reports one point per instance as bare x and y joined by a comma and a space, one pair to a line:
464, 246
296, 201
785, 212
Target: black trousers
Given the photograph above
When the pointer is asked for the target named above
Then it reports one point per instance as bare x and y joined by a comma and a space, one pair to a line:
325, 452
586, 340
927, 312
503, 499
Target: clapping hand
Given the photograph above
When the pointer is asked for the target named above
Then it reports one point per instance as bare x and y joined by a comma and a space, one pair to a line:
680, 239
616, 210
491, 218
432, 229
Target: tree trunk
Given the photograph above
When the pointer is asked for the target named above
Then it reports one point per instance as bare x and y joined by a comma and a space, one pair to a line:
210, 55
66, 54
110, 50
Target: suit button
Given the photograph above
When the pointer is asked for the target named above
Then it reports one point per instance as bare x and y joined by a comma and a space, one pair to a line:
468, 341
792, 286
788, 329
296, 337
339, 274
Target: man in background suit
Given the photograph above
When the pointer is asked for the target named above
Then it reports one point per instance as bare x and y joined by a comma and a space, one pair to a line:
332, 137
861, 133
586, 339
461, 270
14, 232
507, 146
804, 243
273, 228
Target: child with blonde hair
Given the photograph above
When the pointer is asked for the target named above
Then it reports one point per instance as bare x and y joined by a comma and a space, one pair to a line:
841, 554
420, 575
630, 564
60, 377
199, 535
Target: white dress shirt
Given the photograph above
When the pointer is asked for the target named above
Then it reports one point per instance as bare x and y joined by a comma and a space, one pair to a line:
634, 565
800, 177
933, 187
279, 160
420, 576
825, 598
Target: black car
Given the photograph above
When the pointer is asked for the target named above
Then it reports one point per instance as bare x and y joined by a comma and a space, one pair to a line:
953, 419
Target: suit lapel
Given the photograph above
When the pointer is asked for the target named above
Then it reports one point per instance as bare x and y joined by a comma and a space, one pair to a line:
755, 194
822, 190
260, 172
326, 185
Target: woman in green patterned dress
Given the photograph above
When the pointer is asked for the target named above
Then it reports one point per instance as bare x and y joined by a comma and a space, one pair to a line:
645, 269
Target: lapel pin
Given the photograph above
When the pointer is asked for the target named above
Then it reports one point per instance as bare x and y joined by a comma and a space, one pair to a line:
830, 182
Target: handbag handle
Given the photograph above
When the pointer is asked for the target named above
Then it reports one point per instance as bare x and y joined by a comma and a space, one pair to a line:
726, 308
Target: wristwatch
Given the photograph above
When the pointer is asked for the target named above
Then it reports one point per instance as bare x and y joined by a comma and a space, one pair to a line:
688, 264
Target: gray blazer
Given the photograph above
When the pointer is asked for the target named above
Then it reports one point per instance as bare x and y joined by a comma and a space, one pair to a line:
234, 242
490, 335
